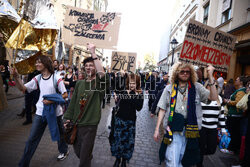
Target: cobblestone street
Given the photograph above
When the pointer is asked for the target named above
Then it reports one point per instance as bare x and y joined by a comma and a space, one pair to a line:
13, 136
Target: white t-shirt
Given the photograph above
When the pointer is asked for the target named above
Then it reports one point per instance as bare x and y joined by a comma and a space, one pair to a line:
46, 88
60, 74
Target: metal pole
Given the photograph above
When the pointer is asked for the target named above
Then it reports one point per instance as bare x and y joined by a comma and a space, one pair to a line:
172, 57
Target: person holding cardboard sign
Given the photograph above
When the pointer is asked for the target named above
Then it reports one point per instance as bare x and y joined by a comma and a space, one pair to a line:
181, 102
85, 107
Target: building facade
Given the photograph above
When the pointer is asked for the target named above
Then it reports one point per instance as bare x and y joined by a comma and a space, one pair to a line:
231, 16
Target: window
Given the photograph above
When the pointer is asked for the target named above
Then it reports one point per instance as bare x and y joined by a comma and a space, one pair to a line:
226, 10
205, 17
226, 15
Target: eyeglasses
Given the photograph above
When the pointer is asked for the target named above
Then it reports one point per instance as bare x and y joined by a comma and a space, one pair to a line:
183, 72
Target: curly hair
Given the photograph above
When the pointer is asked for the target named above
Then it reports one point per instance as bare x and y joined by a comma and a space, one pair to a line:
177, 68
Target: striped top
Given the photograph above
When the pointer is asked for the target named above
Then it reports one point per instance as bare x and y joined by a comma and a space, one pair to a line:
213, 115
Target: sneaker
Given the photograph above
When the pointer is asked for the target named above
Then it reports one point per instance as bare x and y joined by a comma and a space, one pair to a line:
62, 156
226, 151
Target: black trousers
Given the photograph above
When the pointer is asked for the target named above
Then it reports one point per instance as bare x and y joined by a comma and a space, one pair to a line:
207, 142
233, 125
246, 161
30, 100
6, 85
151, 96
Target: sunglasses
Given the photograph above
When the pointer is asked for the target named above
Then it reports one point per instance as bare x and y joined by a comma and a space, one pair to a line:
183, 72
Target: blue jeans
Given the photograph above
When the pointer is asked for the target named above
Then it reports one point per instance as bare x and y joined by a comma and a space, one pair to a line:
36, 133
175, 150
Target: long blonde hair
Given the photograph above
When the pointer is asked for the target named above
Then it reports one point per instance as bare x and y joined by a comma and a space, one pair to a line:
177, 68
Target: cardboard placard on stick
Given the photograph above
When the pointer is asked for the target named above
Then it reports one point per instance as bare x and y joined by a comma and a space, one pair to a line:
82, 26
206, 45
123, 61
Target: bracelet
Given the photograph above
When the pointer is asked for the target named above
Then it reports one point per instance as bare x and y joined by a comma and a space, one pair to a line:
209, 84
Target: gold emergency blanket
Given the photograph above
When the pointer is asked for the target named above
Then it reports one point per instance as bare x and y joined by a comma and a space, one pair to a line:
28, 65
29, 38
7, 27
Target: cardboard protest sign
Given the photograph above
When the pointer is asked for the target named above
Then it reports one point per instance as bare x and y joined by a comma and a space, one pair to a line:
82, 26
123, 61
206, 45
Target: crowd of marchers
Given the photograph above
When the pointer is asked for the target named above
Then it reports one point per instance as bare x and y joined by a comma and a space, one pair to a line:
192, 111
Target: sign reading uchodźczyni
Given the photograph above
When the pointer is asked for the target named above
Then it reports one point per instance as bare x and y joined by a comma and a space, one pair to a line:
206, 45
123, 61
83, 26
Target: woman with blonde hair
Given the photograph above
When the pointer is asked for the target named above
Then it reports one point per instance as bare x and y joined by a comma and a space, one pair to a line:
129, 101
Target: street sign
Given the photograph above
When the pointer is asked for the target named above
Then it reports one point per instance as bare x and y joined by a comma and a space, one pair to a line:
206, 45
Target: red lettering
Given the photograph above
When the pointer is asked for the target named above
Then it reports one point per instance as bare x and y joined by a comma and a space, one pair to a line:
210, 55
223, 59
189, 51
197, 51
183, 53
216, 57
97, 26
204, 53
105, 25
227, 59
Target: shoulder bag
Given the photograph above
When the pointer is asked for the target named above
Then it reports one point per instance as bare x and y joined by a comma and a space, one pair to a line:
71, 127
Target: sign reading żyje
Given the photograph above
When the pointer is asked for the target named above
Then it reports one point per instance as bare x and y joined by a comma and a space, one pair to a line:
206, 45
123, 61
87, 26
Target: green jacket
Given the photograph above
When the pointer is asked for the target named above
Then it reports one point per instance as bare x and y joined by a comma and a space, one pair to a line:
92, 111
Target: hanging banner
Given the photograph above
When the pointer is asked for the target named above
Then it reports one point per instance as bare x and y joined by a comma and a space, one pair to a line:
206, 45
83, 26
123, 61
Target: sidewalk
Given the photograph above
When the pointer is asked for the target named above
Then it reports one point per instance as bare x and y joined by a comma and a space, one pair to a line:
14, 93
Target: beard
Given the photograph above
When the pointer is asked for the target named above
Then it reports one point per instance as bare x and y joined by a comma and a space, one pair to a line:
182, 79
